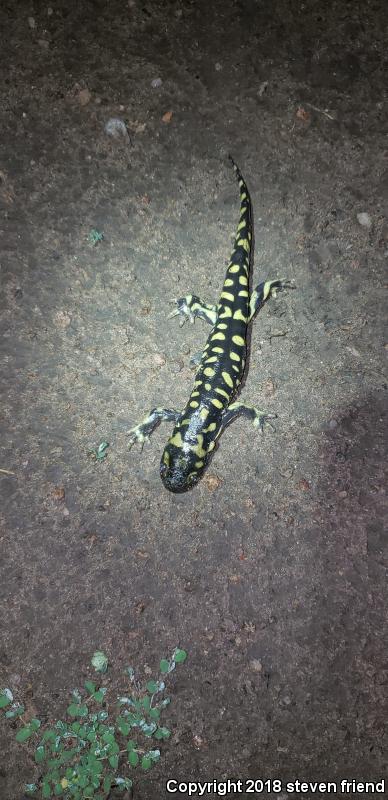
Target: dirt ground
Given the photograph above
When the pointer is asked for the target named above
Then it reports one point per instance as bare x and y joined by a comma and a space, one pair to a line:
272, 572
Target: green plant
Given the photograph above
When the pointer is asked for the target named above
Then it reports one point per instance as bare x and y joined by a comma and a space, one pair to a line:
87, 754
95, 236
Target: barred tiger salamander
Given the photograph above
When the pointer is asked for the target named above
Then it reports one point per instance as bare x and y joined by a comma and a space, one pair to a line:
210, 407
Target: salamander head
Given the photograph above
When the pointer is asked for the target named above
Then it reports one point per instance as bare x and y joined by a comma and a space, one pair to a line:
180, 470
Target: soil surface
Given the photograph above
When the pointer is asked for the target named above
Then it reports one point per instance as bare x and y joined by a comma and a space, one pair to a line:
272, 571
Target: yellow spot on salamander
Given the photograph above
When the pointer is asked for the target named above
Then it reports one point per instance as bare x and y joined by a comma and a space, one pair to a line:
236, 369
209, 371
267, 290
222, 326
243, 243
211, 447
207, 387
210, 428
241, 225
227, 296
166, 458
228, 380
194, 394
204, 412
243, 195
234, 356
226, 313
222, 392
193, 404
176, 440
243, 280
217, 349
199, 464
218, 335
243, 293
217, 403
198, 448
234, 268
238, 340
211, 360
228, 282
239, 315
197, 383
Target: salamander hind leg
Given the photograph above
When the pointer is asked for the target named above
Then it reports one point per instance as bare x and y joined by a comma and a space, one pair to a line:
264, 291
258, 417
142, 432
190, 307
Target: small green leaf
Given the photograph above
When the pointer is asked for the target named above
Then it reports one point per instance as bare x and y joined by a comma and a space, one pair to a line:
123, 726
90, 687
131, 745
146, 702
6, 698
164, 667
35, 724
109, 737
72, 710
152, 686
113, 761
99, 660
24, 734
162, 733
30, 788
46, 790
40, 754
108, 780
15, 711
133, 758
99, 696
179, 656
49, 736
154, 713
146, 762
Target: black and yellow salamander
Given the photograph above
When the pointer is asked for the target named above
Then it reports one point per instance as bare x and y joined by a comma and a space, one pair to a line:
210, 407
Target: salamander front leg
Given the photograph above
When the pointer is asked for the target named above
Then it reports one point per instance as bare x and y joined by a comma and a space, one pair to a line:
190, 307
258, 417
142, 432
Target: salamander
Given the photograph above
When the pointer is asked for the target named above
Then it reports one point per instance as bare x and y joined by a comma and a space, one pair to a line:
212, 405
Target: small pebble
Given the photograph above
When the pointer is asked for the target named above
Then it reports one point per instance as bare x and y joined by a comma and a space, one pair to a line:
32, 23
156, 83
116, 127
218, 67
364, 219
84, 96
333, 423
